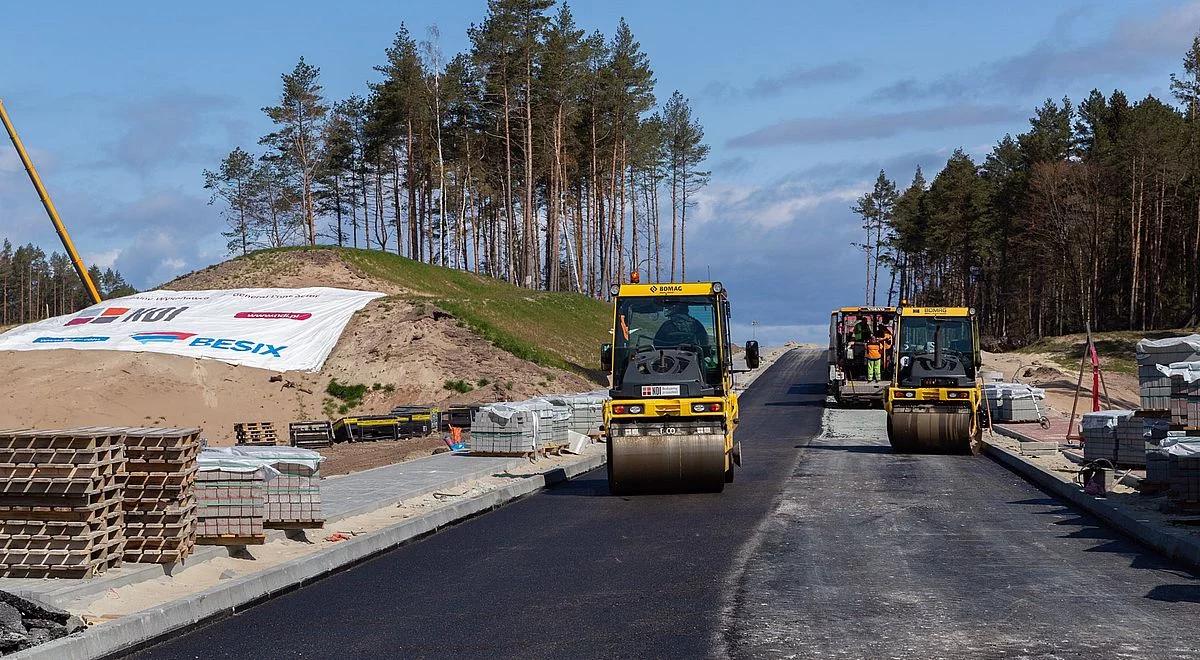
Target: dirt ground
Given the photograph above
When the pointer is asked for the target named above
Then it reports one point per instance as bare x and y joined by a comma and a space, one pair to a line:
1041, 371
406, 352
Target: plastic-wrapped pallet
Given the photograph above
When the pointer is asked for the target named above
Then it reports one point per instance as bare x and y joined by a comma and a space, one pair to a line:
231, 498
1136, 435
1185, 392
587, 411
1013, 402
505, 428
293, 499
61, 512
1184, 468
561, 421
1099, 431
1153, 353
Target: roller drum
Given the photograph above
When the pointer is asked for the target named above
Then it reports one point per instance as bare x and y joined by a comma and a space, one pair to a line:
666, 464
930, 429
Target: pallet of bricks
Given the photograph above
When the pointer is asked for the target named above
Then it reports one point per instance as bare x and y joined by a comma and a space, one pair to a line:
1156, 355
293, 496
60, 503
310, 435
1185, 394
513, 428
1099, 430
230, 499
585, 416
1013, 402
1138, 434
160, 501
1182, 453
255, 433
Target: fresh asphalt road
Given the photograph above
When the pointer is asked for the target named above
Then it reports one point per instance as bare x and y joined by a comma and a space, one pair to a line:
570, 572
826, 546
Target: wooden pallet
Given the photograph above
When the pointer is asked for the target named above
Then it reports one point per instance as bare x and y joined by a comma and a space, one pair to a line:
294, 524
71, 439
229, 539
60, 456
62, 572
63, 512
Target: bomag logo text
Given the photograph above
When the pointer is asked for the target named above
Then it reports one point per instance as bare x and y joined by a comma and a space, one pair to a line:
668, 288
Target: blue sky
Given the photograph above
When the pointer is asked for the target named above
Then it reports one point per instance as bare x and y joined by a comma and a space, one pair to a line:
123, 104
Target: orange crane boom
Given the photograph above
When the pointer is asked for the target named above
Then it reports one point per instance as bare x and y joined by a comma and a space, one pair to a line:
49, 205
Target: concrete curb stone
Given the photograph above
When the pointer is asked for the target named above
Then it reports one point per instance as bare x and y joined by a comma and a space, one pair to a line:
143, 627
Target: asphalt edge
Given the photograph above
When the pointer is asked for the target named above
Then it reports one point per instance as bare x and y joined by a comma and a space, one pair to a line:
144, 628
1173, 546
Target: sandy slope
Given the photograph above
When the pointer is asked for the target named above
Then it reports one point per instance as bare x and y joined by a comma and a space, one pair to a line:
414, 348
1041, 370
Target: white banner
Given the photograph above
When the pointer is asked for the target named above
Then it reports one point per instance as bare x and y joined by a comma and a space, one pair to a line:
277, 329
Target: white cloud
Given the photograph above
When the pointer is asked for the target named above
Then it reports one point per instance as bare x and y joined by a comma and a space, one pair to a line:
104, 259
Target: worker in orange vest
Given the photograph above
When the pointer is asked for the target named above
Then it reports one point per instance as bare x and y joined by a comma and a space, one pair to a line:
874, 359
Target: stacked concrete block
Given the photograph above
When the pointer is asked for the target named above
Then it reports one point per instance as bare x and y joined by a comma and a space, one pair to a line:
1184, 480
1153, 353
511, 428
293, 496
160, 502
1014, 402
1100, 434
1158, 471
60, 502
231, 506
586, 411
1135, 436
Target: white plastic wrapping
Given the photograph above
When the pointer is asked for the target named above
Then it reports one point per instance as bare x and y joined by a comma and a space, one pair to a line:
1147, 349
1105, 419
1012, 391
225, 458
280, 454
1188, 371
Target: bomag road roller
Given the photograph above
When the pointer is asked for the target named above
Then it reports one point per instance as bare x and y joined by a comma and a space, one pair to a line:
933, 402
671, 418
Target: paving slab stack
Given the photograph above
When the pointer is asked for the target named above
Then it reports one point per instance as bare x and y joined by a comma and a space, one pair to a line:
1138, 434
512, 427
60, 502
1185, 393
586, 411
1014, 402
293, 498
1099, 431
160, 501
231, 499
559, 421
1183, 454
1154, 354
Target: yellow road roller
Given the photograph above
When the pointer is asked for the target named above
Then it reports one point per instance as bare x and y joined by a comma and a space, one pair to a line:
934, 400
670, 421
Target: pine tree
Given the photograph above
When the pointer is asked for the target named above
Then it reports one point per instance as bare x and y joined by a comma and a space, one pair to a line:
298, 118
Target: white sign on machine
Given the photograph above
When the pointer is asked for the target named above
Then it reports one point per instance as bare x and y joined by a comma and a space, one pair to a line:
277, 329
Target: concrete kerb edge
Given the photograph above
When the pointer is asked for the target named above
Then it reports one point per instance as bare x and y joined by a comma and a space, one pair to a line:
1173, 546
142, 628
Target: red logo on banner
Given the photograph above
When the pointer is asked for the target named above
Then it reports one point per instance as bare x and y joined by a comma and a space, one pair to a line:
294, 316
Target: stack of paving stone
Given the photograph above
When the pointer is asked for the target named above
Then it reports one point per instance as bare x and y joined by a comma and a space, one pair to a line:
311, 435
1158, 471
586, 411
1155, 353
1184, 480
1136, 434
1013, 402
1100, 434
160, 502
559, 421
260, 434
231, 500
60, 502
293, 498
512, 428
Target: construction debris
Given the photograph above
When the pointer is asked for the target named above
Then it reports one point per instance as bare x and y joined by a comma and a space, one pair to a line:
25, 623
60, 502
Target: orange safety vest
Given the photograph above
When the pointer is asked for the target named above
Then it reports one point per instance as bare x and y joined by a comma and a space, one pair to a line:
874, 350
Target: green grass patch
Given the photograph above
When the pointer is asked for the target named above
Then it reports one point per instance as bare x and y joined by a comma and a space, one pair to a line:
460, 386
350, 395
